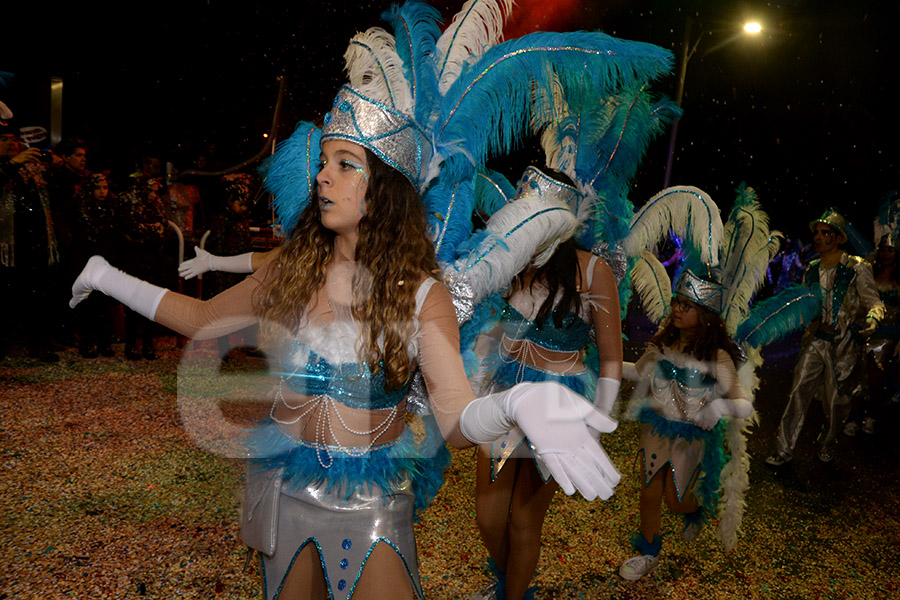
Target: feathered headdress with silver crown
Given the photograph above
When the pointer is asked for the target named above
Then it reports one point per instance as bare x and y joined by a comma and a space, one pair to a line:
437, 105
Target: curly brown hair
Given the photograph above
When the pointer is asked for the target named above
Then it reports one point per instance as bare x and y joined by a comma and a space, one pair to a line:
393, 253
705, 346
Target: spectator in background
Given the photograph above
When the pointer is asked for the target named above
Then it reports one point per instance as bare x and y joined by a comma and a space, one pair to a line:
230, 235
65, 180
28, 250
97, 232
150, 247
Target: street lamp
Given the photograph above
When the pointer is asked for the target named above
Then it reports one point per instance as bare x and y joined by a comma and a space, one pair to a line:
687, 51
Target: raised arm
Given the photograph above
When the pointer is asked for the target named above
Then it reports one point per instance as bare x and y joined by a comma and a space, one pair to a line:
607, 334
239, 263
230, 311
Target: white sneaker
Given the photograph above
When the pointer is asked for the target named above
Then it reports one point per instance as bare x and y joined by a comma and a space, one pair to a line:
868, 425
850, 428
635, 568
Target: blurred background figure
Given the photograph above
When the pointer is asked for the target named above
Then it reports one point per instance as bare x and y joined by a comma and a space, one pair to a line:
150, 247
28, 251
97, 231
230, 235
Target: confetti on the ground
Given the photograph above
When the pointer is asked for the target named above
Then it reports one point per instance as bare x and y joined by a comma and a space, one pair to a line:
104, 495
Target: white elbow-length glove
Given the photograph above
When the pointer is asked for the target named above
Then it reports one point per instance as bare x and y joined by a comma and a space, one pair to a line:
605, 396
140, 296
558, 423
204, 261
710, 414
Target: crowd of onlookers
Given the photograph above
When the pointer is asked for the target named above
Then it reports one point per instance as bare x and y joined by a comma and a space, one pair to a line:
55, 212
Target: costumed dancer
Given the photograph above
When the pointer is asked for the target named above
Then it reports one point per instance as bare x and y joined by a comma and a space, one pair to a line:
560, 309
563, 302
882, 348
348, 308
692, 399
832, 348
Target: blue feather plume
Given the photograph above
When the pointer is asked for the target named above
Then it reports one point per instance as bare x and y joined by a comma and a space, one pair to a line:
416, 28
488, 109
493, 191
778, 316
859, 245
290, 174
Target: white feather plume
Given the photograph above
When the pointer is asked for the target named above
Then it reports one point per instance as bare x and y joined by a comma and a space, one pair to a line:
735, 476
688, 211
516, 234
747, 279
652, 284
475, 28
376, 70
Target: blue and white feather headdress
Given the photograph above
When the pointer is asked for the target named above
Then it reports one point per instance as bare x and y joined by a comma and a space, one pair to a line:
437, 104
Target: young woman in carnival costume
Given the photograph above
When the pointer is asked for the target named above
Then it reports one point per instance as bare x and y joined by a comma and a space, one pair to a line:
691, 397
348, 308
561, 308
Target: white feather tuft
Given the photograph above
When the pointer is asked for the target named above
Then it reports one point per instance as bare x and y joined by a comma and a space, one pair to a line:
652, 284
735, 476
475, 28
375, 69
688, 211
516, 234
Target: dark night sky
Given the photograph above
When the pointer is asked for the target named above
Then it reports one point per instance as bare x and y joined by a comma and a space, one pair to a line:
803, 113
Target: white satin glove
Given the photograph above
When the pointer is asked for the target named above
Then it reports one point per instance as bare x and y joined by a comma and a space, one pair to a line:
710, 414
605, 396
204, 261
558, 423
140, 296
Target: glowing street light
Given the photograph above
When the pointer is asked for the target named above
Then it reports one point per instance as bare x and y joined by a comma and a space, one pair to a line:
750, 28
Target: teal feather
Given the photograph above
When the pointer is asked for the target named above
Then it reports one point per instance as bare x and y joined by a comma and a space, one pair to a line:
416, 28
859, 245
778, 316
493, 191
488, 109
290, 174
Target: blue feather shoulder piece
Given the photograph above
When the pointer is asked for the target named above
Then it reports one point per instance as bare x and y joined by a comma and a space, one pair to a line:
290, 174
775, 318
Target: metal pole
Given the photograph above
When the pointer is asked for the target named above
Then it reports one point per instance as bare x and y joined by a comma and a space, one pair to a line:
56, 99
686, 54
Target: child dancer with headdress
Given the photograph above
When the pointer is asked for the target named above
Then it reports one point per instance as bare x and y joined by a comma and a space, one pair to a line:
689, 382
692, 398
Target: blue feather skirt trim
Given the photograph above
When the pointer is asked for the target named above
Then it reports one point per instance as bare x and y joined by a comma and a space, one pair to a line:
509, 374
714, 456
386, 466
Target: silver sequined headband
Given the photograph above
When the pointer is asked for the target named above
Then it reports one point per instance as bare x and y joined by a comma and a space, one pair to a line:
390, 134
536, 183
705, 293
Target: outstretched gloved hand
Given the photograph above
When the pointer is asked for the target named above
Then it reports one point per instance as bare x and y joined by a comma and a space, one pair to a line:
710, 414
559, 424
138, 295
204, 261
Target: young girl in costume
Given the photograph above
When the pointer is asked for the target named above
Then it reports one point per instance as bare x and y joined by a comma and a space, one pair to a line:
688, 382
556, 308
349, 309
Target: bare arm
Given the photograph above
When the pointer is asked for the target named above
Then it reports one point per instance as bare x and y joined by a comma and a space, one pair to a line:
607, 321
441, 364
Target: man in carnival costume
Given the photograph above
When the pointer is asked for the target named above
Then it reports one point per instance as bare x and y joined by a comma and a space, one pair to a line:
832, 348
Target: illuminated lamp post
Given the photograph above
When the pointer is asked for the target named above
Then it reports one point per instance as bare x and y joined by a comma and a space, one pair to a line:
688, 50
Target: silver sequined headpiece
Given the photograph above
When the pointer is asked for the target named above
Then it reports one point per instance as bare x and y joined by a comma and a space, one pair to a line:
536, 183
388, 133
705, 293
